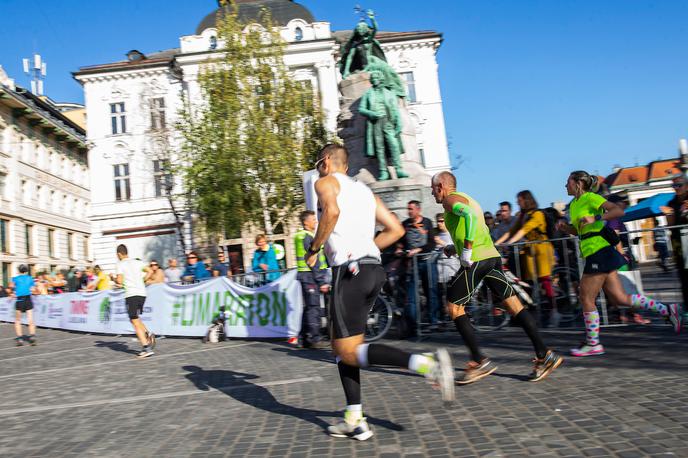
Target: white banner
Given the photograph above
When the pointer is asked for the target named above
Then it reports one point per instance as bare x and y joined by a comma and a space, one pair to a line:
273, 310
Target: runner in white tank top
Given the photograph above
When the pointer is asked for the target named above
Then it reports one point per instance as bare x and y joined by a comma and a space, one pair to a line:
349, 212
353, 237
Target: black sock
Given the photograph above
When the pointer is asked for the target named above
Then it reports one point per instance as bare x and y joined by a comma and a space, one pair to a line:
384, 355
351, 382
463, 325
527, 322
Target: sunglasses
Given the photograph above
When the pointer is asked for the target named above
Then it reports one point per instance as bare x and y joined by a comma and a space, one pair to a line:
678, 185
440, 220
319, 162
191, 257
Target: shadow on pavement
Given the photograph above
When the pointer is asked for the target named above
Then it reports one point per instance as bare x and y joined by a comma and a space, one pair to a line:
116, 346
237, 386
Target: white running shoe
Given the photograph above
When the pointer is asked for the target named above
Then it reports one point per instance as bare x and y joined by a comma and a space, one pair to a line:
145, 353
588, 350
442, 375
359, 431
675, 317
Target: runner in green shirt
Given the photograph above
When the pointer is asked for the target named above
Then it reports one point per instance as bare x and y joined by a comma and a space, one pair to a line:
588, 212
481, 262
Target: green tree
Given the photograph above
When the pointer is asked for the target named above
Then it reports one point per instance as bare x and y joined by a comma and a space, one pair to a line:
256, 130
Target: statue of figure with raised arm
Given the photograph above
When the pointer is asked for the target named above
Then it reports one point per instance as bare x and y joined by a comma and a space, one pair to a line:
363, 53
383, 126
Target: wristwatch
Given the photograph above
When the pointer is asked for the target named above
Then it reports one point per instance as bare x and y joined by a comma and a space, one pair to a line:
311, 251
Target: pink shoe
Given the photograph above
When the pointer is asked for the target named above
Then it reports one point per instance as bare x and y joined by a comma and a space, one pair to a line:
675, 317
588, 350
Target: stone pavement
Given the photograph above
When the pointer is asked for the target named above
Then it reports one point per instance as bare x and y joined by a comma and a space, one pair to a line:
86, 395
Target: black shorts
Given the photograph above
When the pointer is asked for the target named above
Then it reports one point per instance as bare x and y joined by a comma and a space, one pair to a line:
135, 306
462, 286
606, 260
23, 304
352, 296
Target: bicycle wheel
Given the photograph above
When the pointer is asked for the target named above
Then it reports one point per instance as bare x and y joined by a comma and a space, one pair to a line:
565, 284
486, 316
379, 319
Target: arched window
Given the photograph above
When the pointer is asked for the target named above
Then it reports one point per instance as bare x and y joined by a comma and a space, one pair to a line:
298, 34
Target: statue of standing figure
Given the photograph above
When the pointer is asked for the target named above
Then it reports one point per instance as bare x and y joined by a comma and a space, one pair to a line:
383, 128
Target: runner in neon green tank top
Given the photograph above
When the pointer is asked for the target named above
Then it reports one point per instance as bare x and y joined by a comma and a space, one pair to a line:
481, 262
588, 212
476, 229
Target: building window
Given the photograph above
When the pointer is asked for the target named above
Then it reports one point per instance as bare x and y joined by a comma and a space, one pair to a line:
51, 243
122, 189
85, 247
28, 234
118, 118
421, 153
213, 42
5, 274
3, 182
298, 34
407, 77
39, 197
157, 107
163, 179
4, 238
70, 245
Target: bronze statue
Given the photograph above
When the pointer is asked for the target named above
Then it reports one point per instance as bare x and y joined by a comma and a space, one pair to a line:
383, 128
363, 53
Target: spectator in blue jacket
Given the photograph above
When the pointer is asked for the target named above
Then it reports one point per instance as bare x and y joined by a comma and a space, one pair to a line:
265, 259
195, 270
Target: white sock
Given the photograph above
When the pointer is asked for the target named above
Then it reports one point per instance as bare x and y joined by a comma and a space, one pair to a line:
420, 363
362, 355
353, 413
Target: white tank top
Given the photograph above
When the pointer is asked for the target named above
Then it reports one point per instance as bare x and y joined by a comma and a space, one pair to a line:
353, 235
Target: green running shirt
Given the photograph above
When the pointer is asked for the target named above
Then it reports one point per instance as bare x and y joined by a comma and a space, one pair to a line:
588, 204
483, 248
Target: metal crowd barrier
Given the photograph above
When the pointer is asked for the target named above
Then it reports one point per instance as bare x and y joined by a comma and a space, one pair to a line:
248, 279
567, 265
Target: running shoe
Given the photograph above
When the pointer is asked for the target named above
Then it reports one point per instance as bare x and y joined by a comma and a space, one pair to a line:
675, 317
441, 375
293, 341
145, 353
475, 371
545, 366
359, 431
151, 339
638, 319
32, 340
19, 341
588, 350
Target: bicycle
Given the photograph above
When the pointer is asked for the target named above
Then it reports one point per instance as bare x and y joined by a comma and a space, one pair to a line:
380, 318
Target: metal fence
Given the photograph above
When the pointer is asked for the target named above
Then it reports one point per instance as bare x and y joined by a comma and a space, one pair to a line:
248, 279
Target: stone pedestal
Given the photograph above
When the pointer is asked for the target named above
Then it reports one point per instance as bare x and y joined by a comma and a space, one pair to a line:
351, 128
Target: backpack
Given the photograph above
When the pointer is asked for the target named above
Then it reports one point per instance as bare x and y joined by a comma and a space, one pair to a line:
552, 215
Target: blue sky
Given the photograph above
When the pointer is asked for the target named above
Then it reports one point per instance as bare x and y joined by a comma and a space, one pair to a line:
532, 89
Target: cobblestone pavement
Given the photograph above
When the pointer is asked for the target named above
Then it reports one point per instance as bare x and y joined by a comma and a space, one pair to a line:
86, 395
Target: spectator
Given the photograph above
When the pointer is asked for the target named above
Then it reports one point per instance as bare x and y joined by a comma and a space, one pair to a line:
620, 228
677, 215
489, 221
75, 280
419, 240
221, 269
42, 283
538, 258
91, 279
154, 274
195, 270
504, 221
173, 274
314, 282
23, 286
58, 283
265, 260
661, 245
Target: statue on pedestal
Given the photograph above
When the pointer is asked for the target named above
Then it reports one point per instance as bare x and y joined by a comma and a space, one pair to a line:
383, 126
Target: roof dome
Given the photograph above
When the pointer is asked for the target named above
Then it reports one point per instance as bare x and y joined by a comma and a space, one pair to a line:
282, 11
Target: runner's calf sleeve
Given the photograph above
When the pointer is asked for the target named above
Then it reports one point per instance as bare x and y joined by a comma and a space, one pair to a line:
351, 382
527, 322
463, 325
381, 355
